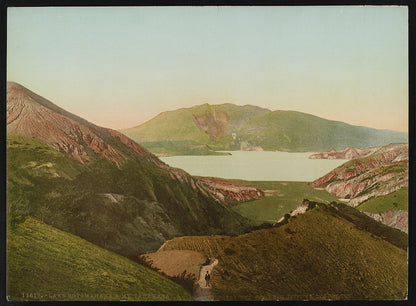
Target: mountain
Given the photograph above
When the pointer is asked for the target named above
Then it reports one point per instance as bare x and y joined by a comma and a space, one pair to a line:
233, 127
193, 131
100, 185
47, 264
376, 184
31, 115
329, 252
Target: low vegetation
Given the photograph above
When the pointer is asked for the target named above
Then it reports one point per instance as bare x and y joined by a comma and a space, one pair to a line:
280, 198
320, 255
398, 200
44, 263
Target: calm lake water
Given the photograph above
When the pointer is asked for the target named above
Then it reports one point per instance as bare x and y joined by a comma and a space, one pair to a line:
257, 165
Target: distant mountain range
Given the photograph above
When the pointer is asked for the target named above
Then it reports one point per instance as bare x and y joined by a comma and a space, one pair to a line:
347, 153
205, 128
100, 185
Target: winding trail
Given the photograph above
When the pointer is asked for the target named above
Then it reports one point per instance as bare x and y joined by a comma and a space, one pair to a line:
202, 292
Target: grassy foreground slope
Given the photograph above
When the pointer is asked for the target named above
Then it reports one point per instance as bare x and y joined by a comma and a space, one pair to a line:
280, 198
44, 263
317, 255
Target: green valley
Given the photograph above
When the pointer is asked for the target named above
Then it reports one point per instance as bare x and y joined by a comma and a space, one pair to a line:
280, 198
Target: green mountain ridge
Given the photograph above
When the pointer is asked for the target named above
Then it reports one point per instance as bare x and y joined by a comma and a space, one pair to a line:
233, 127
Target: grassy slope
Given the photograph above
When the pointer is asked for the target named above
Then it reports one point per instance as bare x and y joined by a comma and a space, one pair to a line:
317, 255
398, 200
280, 199
44, 261
296, 131
172, 126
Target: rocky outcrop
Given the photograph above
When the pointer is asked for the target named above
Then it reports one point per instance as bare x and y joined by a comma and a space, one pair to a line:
347, 153
301, 209
380, 173
397, 219
212, 122
228, 192
247, 146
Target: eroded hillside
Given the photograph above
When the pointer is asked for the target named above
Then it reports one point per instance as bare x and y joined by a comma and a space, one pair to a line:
99, 184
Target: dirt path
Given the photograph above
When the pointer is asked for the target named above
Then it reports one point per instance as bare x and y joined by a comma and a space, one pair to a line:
202, 292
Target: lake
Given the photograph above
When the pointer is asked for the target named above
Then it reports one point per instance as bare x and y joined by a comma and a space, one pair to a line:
256, 165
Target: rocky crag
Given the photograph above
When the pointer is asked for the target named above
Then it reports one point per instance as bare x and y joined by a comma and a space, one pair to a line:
229, 192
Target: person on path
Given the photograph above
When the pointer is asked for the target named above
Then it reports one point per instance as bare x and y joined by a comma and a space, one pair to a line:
207, 278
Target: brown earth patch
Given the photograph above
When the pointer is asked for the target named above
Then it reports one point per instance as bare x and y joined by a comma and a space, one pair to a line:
273, 193
174, 262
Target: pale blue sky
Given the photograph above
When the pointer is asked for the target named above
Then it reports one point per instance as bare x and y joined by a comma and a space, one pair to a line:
120, 66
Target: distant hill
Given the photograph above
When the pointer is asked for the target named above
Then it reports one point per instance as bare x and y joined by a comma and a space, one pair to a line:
233, 127
330, 252
46, 264
99, 184
347, 153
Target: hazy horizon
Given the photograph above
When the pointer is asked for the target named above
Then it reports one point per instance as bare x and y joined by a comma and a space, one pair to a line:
119, 67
